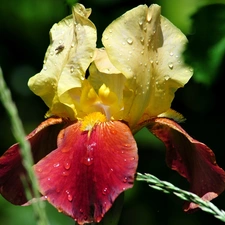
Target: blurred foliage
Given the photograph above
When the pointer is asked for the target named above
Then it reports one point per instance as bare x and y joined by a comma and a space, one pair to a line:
209, 37
24, 27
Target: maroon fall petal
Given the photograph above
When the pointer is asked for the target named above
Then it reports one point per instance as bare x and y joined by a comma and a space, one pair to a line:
191, 159
43, 140
88, 170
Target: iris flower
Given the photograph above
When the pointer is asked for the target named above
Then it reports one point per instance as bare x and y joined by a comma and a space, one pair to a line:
84, 152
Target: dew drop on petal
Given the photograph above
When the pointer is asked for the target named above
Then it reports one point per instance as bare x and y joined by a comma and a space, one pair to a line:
170, 65
149, 16
113, 131
129, 41
70, 197
71, 69
39, 170
104, 191
56, 165
81, 210
140, 22
125, 180
65, 173
67, 165
60, 210
167, 77
87, 160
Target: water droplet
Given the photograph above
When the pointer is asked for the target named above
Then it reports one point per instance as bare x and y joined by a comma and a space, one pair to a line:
49, 179
71, 69
87, 161
65, 173
39, 170
72, 45
69, 197
171, 53
112, 131
129, 41
56, 165
126, 159
140, 22
104, 191
106, 37
67, 165
45, 68
81, 211
170, 65
125, 180
127, 145
142, 40
60, 210
157, 62
149, 16
167, 77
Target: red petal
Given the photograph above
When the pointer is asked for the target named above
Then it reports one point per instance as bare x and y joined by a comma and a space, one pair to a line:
87, 171
42, 140
191, 159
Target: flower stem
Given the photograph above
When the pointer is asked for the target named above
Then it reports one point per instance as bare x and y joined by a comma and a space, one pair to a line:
169, 188
27, 160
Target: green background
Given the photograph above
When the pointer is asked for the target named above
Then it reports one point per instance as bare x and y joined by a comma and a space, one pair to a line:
24, 29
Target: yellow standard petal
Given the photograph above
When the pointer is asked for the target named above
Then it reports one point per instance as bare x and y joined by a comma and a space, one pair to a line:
147, 49
73, 41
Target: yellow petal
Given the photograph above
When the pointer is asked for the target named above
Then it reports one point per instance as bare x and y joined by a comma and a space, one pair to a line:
73, 41
147, 49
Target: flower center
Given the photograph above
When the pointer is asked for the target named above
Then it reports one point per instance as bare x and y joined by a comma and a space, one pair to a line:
91, 119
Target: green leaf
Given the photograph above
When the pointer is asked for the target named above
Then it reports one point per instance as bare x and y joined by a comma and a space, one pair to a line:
206, 48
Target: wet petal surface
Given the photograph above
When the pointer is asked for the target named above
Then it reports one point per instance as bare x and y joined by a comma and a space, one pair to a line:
147, 49
191, 159
73, 42
88, 170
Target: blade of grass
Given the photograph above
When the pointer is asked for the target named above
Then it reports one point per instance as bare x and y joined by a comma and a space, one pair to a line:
169, 188
27, 160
